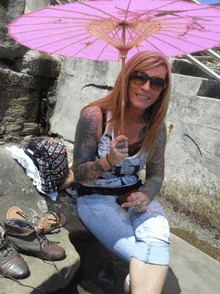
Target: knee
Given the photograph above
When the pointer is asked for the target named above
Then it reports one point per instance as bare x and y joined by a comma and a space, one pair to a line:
153, 239
155, 229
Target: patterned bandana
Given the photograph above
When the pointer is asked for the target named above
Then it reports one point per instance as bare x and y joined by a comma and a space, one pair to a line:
51, 160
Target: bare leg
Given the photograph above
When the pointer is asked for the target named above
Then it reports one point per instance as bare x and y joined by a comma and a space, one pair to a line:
147, 278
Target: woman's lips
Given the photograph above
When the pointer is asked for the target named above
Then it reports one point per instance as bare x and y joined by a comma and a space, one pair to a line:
143, 97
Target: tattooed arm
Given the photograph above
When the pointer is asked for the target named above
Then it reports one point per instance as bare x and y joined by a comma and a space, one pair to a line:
88, 131
154, 177
155, 168
84, 167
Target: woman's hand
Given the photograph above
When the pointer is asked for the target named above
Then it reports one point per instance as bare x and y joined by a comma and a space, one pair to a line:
138, 200
117, 154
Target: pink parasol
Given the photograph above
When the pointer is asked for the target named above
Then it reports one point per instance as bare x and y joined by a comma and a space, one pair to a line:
118, 29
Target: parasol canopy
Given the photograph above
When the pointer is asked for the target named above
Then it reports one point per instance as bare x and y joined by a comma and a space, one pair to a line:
99, 30
118, 29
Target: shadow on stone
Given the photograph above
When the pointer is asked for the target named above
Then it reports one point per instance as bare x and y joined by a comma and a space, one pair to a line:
209, 88
171, 285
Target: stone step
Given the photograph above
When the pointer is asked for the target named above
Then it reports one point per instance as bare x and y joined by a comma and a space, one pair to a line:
196, 272
209, 87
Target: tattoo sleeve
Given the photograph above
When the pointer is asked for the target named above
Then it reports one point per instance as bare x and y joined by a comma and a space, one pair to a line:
84, 167
155, 168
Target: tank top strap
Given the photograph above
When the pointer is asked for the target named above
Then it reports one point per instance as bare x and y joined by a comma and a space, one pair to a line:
108, 130
103, 120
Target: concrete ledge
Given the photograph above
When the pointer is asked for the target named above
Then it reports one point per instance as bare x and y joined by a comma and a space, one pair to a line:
196, 272
44, 276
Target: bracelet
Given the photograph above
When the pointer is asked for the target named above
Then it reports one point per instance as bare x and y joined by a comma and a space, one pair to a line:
109, 161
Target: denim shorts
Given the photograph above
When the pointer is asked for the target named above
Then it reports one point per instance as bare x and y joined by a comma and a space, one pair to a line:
126, 232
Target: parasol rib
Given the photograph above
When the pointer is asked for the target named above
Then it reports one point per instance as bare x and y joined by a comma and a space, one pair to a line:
183, 33
115, 35
75, 54
83, 13
180, 49
150, 10
188, 42
98, 9
140, 36
126, 12
133, 30
104, 35
71, 37
52, 29
53, 17
157, 48
61, 48
100, 54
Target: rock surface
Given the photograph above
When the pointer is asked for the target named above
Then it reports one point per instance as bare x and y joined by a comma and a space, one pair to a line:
9, 11
100, 271
23, 95
39, 64
16, 189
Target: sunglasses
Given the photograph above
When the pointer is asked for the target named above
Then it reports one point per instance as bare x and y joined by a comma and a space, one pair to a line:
140, 78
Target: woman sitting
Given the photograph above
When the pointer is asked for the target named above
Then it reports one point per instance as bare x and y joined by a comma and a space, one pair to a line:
107, 164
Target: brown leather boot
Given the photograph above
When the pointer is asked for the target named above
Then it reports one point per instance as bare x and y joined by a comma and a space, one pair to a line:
26, 239
11, 263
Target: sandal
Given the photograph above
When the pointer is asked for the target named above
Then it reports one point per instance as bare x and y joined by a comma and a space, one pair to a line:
51, 221
16, 212
46, 224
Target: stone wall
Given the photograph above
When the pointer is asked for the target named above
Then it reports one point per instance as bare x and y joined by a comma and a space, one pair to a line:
24, 89
33, 4
80, 82
26, 78
192, 175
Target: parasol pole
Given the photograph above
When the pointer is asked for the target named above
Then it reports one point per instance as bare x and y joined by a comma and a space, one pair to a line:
123, 55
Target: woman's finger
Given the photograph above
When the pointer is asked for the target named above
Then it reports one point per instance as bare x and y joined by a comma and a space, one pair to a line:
136, 196
121, 138
124, 150
140, 208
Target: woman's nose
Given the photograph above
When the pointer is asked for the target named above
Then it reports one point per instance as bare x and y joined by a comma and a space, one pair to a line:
146, 86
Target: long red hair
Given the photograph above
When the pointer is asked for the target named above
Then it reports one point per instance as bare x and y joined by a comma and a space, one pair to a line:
156, 113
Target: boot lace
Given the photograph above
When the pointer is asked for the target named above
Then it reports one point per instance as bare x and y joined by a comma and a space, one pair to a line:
43, 242
5, 247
